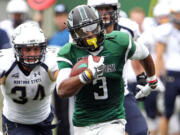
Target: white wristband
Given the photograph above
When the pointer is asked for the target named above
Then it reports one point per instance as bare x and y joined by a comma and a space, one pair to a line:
151, 78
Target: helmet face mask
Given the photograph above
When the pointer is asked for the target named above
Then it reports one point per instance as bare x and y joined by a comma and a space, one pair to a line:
83, 31
175, 18
29, 44
112, 7
83, 20
110, 16
29, 60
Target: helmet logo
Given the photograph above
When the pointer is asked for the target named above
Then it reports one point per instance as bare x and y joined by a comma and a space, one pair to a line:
83, 13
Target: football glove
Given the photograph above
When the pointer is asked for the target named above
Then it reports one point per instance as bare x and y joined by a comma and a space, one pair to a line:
96, 68
141, 80
152, 85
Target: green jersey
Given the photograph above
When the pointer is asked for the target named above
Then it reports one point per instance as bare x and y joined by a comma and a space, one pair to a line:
102, 99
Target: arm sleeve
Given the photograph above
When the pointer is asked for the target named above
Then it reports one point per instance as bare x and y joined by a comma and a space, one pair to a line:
130, 49
62, 75
141, 51
64, 58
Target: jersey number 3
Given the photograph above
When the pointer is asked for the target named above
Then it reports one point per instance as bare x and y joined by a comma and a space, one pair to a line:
104, 94
22, 99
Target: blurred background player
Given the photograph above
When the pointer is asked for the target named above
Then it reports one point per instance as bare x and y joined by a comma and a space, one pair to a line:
153, 103
61, 36
168, 45
161, 14
138, 15
18, 12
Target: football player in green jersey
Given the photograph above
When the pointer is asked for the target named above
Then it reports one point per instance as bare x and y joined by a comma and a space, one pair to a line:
109, 11
99, 90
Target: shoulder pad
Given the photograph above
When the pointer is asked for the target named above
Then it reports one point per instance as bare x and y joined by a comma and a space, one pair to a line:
120, 37
162, 32
126, 22
65, 49
6, 59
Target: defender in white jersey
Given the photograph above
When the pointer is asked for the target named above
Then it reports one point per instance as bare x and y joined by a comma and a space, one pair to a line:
28, 75
169, 45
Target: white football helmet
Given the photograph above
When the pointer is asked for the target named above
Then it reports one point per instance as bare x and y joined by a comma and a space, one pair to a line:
96, 3
28, 35
17, 6
161, 9
175, 9
107, 3
161, 12
174, 5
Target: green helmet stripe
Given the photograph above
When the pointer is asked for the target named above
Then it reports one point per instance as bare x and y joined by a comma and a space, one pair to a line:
83, 13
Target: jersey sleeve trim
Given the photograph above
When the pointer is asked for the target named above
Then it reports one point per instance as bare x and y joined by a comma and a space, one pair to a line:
128, 49
64, 60
45, 67
128, 29
11, 68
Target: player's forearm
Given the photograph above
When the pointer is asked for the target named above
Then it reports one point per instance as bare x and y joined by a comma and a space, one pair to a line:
148, 65
159, 66
160, 49
70, 87
138, 69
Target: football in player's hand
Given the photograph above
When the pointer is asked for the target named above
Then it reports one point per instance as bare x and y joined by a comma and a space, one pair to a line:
81, 65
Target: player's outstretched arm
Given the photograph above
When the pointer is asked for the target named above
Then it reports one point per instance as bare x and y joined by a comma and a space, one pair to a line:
142, 54
152, 81
68, 85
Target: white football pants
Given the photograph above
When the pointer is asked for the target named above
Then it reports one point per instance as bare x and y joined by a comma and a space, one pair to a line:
114, 127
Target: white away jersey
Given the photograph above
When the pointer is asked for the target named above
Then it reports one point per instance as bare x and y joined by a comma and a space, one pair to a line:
129, 26
27, 98
170, 36
132, 28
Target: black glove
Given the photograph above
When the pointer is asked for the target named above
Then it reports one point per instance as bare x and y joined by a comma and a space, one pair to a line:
141, 80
